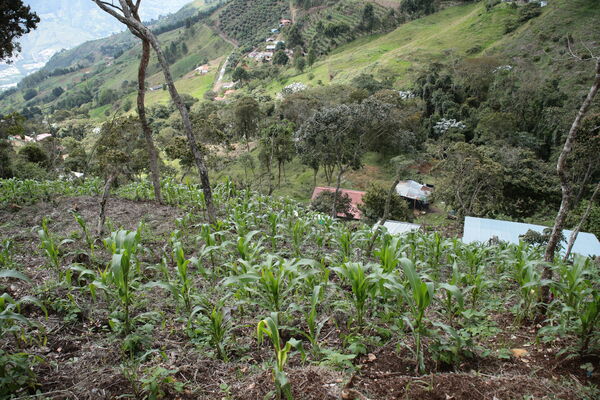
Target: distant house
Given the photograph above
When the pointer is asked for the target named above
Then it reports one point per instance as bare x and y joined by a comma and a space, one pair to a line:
270, 39
416, 193
271, 47
261, 55
203, 69
274, 30
228, 85
483, 229
155, 88
42, 136
355, 198
285, 22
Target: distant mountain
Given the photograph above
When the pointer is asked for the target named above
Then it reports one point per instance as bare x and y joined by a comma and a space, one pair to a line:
66, 24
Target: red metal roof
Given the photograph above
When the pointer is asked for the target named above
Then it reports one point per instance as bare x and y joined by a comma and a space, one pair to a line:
355, 196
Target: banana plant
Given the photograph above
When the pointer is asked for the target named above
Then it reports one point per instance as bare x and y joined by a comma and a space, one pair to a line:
269, 327
419, 295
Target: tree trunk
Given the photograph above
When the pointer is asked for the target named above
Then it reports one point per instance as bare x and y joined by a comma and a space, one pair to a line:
187, 125
565, 184
126, 14
561, 169
335, 194
152, 153
386, 213
105, 195
584, 217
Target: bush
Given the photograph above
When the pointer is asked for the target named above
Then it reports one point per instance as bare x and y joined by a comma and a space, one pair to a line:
324, 201
29, 94
529, 11
34, 154
373, 205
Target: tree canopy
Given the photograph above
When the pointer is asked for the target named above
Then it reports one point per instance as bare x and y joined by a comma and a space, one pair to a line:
16, 20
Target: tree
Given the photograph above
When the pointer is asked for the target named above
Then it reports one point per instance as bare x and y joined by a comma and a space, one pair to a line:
10, 125
57, 91
374, 204
240, 74
293, 36
246, 117
471, 181
333, 138
16, 20
277, 145
368, 17
30, 94
127, 14
312, 56
280, 58
300, 63
323, 202
565, 184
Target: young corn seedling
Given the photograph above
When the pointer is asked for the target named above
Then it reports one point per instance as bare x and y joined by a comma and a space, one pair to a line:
314, 325
363, 286
89, 239
184, 282
6, 253
123, 245
51, 248
589, 317
247, 249
418, 296
219, 325
269, 327
454, 302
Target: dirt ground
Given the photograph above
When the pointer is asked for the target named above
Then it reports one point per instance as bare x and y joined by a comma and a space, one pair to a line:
82, 361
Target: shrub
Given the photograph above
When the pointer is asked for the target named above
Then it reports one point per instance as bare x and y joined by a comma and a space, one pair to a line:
373, 205
529, 11
34, 153
324, 202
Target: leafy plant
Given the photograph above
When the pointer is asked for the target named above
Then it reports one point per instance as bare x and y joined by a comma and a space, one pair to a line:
51, 248
269, 327
418, 296
363, 286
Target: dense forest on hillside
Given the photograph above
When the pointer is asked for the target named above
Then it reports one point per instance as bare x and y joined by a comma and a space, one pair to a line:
215, 274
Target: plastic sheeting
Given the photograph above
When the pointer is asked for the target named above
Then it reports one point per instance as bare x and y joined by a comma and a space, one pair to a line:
483, 229
399, 228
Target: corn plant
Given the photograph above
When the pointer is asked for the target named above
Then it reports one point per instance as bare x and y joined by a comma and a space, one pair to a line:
89, 239
389, 253
184, 282
218, 327
589, 318
299, 230
123, 244
574, 285
363, 286
453, 302
247, 249
344, 242
6, 253
269, 327
11, 319
418, 295
529, 279
51, 248
314, 325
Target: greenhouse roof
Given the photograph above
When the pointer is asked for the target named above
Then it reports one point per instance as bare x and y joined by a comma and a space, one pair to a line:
399, 228
483, 229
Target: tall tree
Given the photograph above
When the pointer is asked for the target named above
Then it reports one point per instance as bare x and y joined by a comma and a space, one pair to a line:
565, 184
16, 20
126, 13
246, 117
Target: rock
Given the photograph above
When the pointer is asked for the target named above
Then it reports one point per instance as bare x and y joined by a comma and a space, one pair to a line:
519, 353
371, 357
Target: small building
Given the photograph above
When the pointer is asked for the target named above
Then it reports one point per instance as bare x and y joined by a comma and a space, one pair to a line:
203, 69
274, 30
285, 22
416, 193
400, 228
484, 229
228, 85
155, 88
271, 47
270, 39
355, 198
